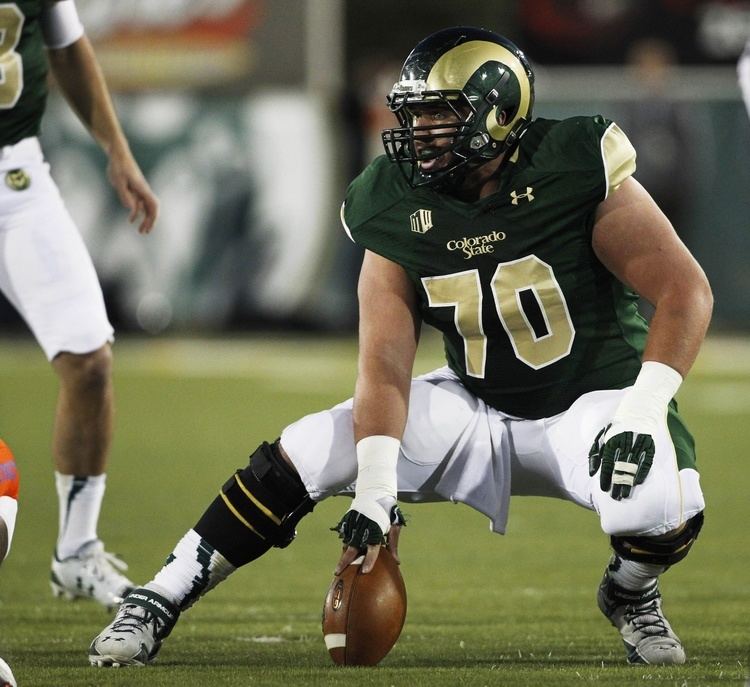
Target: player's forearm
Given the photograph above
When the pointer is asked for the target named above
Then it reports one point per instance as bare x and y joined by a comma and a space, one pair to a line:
381, 401
388, 336
679, 325
380, 409
80, 78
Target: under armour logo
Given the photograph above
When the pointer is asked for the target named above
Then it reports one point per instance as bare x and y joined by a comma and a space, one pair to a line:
421, 221
517, 196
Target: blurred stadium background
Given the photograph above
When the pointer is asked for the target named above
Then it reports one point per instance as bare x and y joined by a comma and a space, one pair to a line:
250, 117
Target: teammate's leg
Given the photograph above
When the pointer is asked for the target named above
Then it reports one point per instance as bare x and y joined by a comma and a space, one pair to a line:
85, 411
81, 442
47, 274
82, 437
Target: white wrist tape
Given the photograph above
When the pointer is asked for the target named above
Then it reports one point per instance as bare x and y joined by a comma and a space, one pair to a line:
61, 26
375, 493
644, 405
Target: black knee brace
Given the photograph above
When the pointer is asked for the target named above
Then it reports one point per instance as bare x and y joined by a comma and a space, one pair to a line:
258, 507
660, 550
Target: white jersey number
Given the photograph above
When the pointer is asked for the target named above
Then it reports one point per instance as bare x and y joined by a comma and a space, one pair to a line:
11, 65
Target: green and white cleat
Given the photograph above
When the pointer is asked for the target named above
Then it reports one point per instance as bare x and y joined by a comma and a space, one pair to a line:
92, 573
135, 636
646, 633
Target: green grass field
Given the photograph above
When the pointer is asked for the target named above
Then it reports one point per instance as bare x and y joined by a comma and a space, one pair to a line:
483, 609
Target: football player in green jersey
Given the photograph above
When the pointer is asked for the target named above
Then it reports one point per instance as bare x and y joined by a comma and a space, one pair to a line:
47, 274
525, 242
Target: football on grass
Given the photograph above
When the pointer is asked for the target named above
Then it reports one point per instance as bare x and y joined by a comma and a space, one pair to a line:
363, 614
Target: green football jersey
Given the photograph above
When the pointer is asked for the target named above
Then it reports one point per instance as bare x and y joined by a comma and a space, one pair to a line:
531, 319
23, 70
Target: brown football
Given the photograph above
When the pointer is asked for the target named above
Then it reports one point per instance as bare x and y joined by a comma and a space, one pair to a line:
363, 614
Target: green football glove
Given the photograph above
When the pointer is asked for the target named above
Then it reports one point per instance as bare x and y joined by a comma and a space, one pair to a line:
625, 460
357, 530
624, 449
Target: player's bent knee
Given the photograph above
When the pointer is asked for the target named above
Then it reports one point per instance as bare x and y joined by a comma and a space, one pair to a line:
666, 549
662, 506
274, 496
257, 508
85, 371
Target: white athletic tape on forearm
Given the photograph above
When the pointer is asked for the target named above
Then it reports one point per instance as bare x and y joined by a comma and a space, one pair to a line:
644, 405
377, 457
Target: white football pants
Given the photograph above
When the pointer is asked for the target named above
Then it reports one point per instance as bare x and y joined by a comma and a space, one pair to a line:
45, 269
457, 448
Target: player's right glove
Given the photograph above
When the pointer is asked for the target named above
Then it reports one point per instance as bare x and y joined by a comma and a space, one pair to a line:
357, 530
373, 511
624, 450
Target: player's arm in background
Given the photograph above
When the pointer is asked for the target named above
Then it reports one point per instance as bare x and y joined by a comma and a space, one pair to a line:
637, 243
389, 327
79, 76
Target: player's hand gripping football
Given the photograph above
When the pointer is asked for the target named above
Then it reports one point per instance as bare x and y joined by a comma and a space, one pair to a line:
361, 534
374, 513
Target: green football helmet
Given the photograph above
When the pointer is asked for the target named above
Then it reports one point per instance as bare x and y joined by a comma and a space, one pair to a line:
482, 81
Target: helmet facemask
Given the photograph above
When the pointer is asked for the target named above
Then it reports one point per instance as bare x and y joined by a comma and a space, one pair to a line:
423, 147
486, 110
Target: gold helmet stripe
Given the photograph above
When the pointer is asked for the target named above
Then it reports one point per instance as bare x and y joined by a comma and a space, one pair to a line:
452, 70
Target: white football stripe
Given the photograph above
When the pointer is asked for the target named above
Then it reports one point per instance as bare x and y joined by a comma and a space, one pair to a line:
335, 641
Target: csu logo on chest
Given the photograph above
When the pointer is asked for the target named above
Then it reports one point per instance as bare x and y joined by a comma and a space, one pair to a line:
421, 221
517, 196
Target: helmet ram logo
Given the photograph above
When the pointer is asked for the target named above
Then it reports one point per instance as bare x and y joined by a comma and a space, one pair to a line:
482, 79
